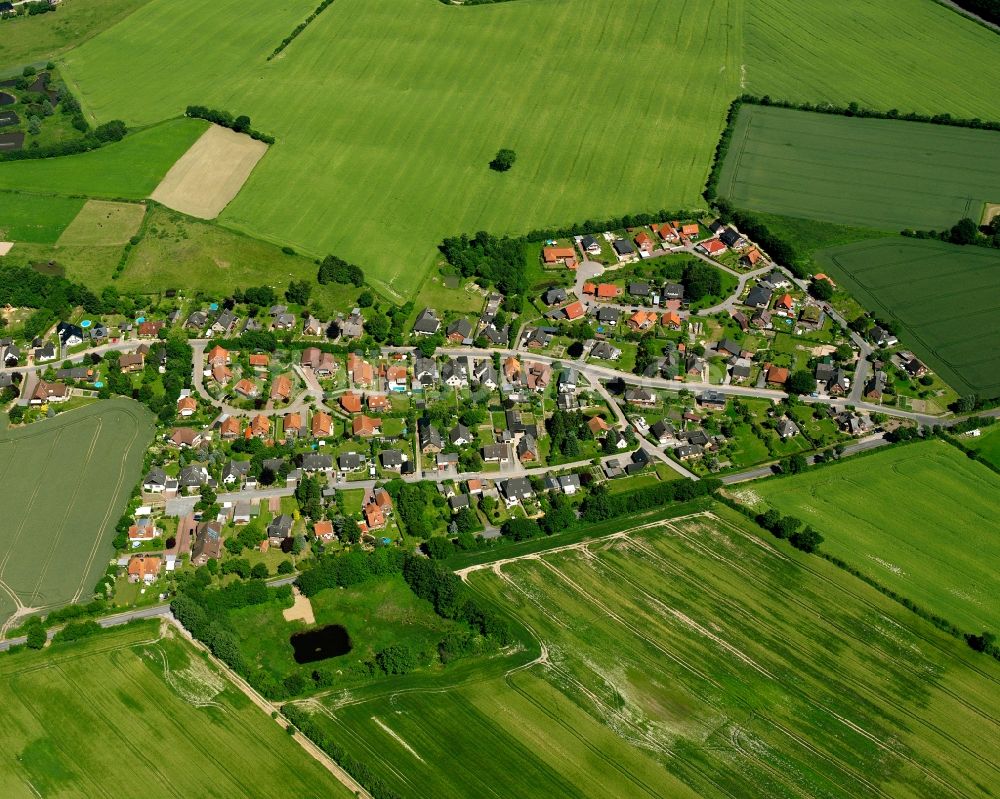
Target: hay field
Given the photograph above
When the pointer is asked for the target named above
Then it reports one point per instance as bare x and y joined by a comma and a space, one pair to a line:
101, 223
206, 178
35, 219
690, 658
128, 169
879, 173
63, 484
133, 713
920, 519
945, 297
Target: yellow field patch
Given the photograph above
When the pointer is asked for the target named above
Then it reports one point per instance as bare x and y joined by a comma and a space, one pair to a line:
207, 177
101, 223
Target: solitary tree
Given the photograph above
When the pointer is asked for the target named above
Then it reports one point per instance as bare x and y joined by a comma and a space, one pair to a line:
503, 160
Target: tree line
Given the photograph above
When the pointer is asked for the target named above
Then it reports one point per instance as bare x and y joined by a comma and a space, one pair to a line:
240, 124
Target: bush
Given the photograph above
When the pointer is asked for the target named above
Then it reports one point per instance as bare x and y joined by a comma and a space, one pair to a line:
396, 659
503, 160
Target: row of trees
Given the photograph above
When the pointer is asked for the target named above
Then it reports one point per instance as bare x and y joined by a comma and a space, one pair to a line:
602, 505
241, 123
788, 527
964, 232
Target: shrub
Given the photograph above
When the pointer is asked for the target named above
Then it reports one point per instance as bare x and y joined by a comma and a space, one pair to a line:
503, 160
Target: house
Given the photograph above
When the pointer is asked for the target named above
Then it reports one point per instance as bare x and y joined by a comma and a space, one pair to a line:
776, 375
811, 317
427, 323
567, 380
247, 388
512, 369
712, 399
207, 543
242, 512
352, 326
144, 568
46, 352
251, 325
605, 351
787, 428
321, 425
49, 392
740, 369
430, 438
149, 329
914, 368
574, 311
260, 427
759, 297
662, 431
609, 316
537, 338
446, 460
395, 378
641, 321
785, 303
741, 319
350, 461
222, 374
607, 291
732, 238
392, 459
350, 401
640, 460
613, 469
712, 247
672, 320
597, 425
776, 279
225, 323
554, 296
155, 482
687, 452
486, 375
291, 425
624, 250
496, 453
219, 356
590, 245
516, 489
458, 502
143, 530
374, 517
497, 337
323, 530
761, 319
751, 258
69, 335
193, 476
589, 289
640, 396
537, 376
569, 484
260, 361
460, 435
527, 449
230, 428
313, 327
279, 529
284, 321
673, 291
281, 388
665, 231
876, 385
365, 426
559, 255
454, 374
638, 289
458, 331
235, 472
197, 321
882, 337
313, 462
186, 406
425, 372
644, 242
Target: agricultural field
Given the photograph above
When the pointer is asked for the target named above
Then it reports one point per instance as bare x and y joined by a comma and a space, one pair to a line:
139, 711
63, 484
945, 298
102, 223
128, 169
920, 519
689, 657
912, 55
879, 173
987, 445
35, 218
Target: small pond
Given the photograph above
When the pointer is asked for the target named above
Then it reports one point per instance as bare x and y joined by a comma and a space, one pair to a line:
320, 643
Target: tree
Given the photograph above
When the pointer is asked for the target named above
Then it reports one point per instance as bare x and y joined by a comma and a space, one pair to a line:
378, 327
821, 289
795, 464
801, 382
259, 571
786, 527
337, 270
503, 160
438, 547
298, 292
34, 125
241, 124
808, 540
36, 635
285, 567
366, 299
844, 352
964, 232
700, 280
396, 659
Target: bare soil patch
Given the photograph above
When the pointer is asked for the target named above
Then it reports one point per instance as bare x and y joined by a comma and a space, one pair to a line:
103, 223
301, 609
210, 174
991, 210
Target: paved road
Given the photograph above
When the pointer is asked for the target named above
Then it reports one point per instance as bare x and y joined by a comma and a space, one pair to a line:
872, 442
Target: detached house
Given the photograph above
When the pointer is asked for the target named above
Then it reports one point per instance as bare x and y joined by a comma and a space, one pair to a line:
427, 323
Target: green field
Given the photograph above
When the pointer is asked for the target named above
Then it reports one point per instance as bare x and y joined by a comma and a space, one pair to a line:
63, 484
880, 173
101, 223
987, 444
136, 713
920, 519
129, 169
945, 298
690, 658
35, 218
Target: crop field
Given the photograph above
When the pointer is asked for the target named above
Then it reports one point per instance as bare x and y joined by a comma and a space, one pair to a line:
689, 658
987, 444
912, 55
881, 173
63, 484
946, 299
129, 169
102, 223
137, 712
920, 519
35, 219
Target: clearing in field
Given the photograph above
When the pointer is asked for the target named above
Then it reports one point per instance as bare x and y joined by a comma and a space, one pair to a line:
920, 519
101, 223
945, 297
881, 173
139, 711
207, 177
63, 483
689, 658
35, 219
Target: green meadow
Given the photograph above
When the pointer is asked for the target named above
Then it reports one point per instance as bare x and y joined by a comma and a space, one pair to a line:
944, 297
987, 444
920, 519
34, 218
63, 485
139, 712
879, 173
691, 657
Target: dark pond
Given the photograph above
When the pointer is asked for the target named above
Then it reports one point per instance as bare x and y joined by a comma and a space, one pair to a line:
320, 643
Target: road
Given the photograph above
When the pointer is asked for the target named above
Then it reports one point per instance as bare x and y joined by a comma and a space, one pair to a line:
872, 442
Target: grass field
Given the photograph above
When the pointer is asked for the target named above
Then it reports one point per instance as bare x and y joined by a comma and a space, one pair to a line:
63, 484
129, 169
102, 223
987, 445
920, 519
384, 138
690, 658
132, 713
879, 173
34, 218
944, 296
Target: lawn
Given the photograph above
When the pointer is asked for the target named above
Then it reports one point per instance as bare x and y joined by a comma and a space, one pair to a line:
920, 519
134, 712
63, 484
129, 169
378, 156
879, 173
690, 658
944, 297
35, 219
